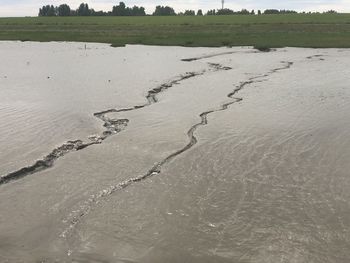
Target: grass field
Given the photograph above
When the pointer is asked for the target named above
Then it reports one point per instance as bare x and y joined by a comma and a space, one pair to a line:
295, 30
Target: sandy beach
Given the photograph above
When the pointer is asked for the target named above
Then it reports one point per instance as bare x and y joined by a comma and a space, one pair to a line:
173, 154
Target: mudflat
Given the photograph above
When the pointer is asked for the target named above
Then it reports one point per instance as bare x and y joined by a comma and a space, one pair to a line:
173, 154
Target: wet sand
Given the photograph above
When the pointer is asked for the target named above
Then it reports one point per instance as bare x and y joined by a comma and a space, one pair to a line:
176, 154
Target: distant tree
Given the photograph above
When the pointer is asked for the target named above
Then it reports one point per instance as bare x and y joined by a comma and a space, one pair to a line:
91, 12
164, 11
84, 10
99, 13
275, 11
259, 12
271, 11
243, 12
252, 12
330, 12
210, 12
119, 10
63, 10
138, 11
122, 10
225, 11
189, 13
48, 10
199, 12
43, 11
52, 11
288, 12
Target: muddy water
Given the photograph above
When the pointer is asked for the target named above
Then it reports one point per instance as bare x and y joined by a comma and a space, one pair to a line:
228, 156
49, 92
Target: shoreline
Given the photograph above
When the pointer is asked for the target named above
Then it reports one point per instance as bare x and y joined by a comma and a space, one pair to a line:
271, 31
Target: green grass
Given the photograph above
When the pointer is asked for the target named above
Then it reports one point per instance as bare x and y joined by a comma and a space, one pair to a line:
295, 30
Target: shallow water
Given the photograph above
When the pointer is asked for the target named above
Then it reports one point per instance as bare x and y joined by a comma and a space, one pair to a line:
240, 156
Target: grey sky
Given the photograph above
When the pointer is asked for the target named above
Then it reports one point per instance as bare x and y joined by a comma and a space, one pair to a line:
31, 7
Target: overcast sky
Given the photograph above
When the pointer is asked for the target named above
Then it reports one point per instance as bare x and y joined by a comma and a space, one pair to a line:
31, 7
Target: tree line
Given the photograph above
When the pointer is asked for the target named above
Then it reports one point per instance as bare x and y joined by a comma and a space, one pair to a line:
123, 10
85, 10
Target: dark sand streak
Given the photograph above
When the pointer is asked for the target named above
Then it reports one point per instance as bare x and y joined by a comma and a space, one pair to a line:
208, 56
319, 56
226, 53
156, 169
112, 126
